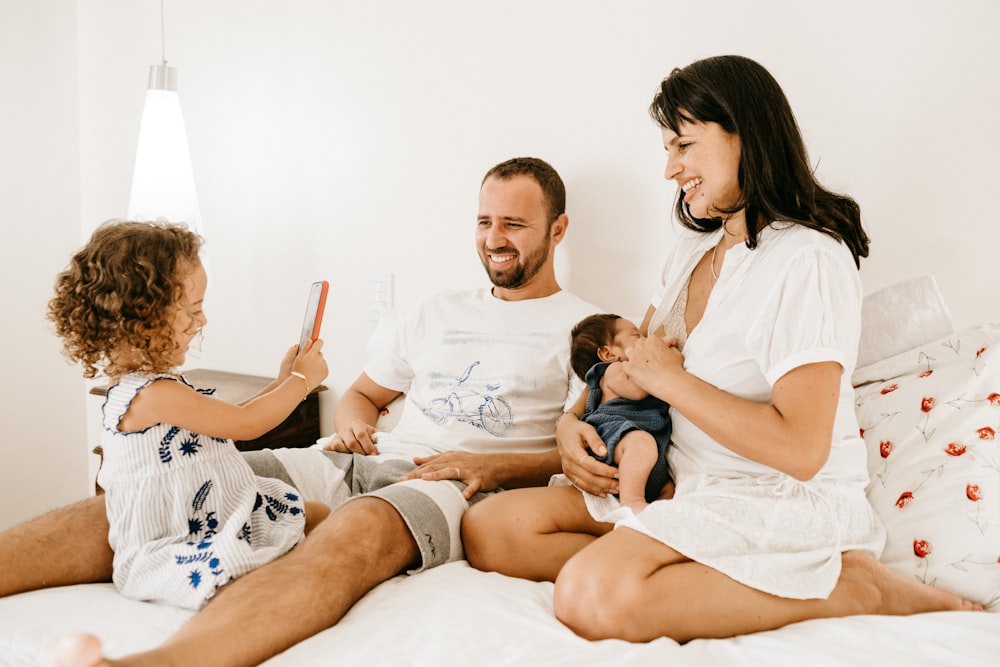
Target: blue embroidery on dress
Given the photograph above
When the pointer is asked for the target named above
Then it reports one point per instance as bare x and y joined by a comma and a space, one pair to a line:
201, 496
190, 446
487, 411
165, 455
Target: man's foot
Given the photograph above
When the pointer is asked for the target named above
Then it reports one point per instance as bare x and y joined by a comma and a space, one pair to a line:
879, 590
79, 651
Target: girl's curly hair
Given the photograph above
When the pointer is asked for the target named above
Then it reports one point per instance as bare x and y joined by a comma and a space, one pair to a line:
115, 302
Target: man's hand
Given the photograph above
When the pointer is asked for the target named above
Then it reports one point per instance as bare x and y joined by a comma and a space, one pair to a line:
357, 438
476, 471
583, 470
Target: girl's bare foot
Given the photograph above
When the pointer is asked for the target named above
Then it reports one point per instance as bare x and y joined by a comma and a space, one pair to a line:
78, 651
878, 590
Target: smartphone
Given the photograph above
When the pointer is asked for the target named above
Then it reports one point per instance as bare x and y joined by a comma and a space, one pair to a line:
314, 312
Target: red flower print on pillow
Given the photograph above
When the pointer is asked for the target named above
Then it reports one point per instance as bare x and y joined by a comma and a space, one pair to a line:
922, 548
972, 492
926, 373
994, 399
987, 433
885, 448
979, 352
904, 500
927, 404
889, 388
954, 449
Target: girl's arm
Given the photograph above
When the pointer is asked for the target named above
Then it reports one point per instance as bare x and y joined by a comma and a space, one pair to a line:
791, 433
167, 401
283, 374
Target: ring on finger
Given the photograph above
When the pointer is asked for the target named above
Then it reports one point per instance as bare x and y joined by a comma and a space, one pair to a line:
458, 473
576, 482
580, 462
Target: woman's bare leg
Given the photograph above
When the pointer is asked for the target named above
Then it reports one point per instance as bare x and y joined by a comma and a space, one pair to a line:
529, 533
65, 546
629, 586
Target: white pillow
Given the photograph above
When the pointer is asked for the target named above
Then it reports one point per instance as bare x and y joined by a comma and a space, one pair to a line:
934, 460
899, 318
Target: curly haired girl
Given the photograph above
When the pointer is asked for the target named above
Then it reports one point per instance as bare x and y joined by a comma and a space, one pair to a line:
187, 514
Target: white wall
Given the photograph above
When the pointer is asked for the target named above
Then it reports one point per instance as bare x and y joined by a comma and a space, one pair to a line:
335, 139
43, 446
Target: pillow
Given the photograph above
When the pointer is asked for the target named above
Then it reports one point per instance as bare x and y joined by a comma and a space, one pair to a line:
899, 318
934, 460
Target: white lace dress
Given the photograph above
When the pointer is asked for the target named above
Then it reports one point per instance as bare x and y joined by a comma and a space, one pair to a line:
187, 513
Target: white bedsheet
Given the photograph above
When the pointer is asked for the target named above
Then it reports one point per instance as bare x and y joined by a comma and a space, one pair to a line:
455, 615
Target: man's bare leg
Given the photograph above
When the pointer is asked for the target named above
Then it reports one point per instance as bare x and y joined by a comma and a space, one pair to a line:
66, 546
309, 589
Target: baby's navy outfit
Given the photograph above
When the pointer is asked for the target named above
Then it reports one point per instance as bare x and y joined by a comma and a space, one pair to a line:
618, 416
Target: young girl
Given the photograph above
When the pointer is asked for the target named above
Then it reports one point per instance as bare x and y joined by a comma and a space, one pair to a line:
187, 514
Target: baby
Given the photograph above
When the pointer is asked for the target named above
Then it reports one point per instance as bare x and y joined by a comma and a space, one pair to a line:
634, 426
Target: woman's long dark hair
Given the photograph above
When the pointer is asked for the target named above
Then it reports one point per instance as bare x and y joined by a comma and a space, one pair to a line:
775, 179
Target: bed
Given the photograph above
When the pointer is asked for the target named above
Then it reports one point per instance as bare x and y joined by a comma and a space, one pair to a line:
928, 402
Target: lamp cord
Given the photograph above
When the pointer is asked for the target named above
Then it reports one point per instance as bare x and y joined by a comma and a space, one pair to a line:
163, 36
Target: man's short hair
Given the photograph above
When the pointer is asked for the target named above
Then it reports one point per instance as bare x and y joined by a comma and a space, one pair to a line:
544, 174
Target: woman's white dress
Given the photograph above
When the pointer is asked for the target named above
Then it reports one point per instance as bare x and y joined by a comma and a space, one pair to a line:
793, 300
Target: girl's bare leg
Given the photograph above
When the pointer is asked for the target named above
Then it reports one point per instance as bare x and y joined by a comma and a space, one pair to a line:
529, 533
629, 586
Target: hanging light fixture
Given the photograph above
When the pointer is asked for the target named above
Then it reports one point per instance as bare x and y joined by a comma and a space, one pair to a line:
163, 181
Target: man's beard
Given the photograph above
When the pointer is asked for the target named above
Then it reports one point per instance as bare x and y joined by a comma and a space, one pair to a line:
521, 273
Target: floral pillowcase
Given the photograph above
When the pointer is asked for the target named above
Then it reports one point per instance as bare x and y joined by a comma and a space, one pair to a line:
934, 459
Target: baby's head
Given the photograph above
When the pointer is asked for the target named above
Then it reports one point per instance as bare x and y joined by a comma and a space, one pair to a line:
118, 305
605, 337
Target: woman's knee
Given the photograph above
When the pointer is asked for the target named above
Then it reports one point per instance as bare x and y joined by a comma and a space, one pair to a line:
596, 599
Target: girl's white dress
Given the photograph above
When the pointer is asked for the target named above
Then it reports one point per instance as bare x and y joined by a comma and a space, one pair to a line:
187, 513
794, 300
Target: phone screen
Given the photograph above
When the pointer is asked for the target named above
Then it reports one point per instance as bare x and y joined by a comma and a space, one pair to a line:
314, 312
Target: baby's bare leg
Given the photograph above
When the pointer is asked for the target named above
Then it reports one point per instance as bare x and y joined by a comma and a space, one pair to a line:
66, 546
635, 454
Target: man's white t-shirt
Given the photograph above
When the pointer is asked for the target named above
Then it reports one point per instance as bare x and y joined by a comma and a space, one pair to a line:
480, 374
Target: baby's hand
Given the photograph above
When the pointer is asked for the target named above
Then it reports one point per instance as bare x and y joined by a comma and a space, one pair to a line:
311, 364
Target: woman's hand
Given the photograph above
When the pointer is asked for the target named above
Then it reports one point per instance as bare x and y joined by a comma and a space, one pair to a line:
587, 473
651, 363
473, 470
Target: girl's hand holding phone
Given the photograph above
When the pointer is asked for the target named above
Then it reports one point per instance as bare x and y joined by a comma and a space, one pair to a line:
310, 363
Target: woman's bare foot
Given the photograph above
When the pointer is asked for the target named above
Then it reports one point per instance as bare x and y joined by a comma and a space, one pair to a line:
78, 651
878, 590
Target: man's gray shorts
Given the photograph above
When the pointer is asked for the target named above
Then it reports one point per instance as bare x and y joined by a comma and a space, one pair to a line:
432, 510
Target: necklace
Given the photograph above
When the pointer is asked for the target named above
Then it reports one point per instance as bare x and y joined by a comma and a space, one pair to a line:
714, 251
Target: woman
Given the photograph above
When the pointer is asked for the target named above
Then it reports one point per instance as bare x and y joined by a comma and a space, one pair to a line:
769, 523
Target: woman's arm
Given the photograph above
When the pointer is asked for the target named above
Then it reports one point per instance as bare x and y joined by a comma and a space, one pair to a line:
792, 433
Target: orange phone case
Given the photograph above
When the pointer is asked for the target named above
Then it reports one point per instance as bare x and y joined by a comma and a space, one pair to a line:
314, 312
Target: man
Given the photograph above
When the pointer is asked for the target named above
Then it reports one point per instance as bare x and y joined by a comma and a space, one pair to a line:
485, 375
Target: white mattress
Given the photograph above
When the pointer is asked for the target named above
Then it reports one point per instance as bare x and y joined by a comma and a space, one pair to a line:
455, 615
